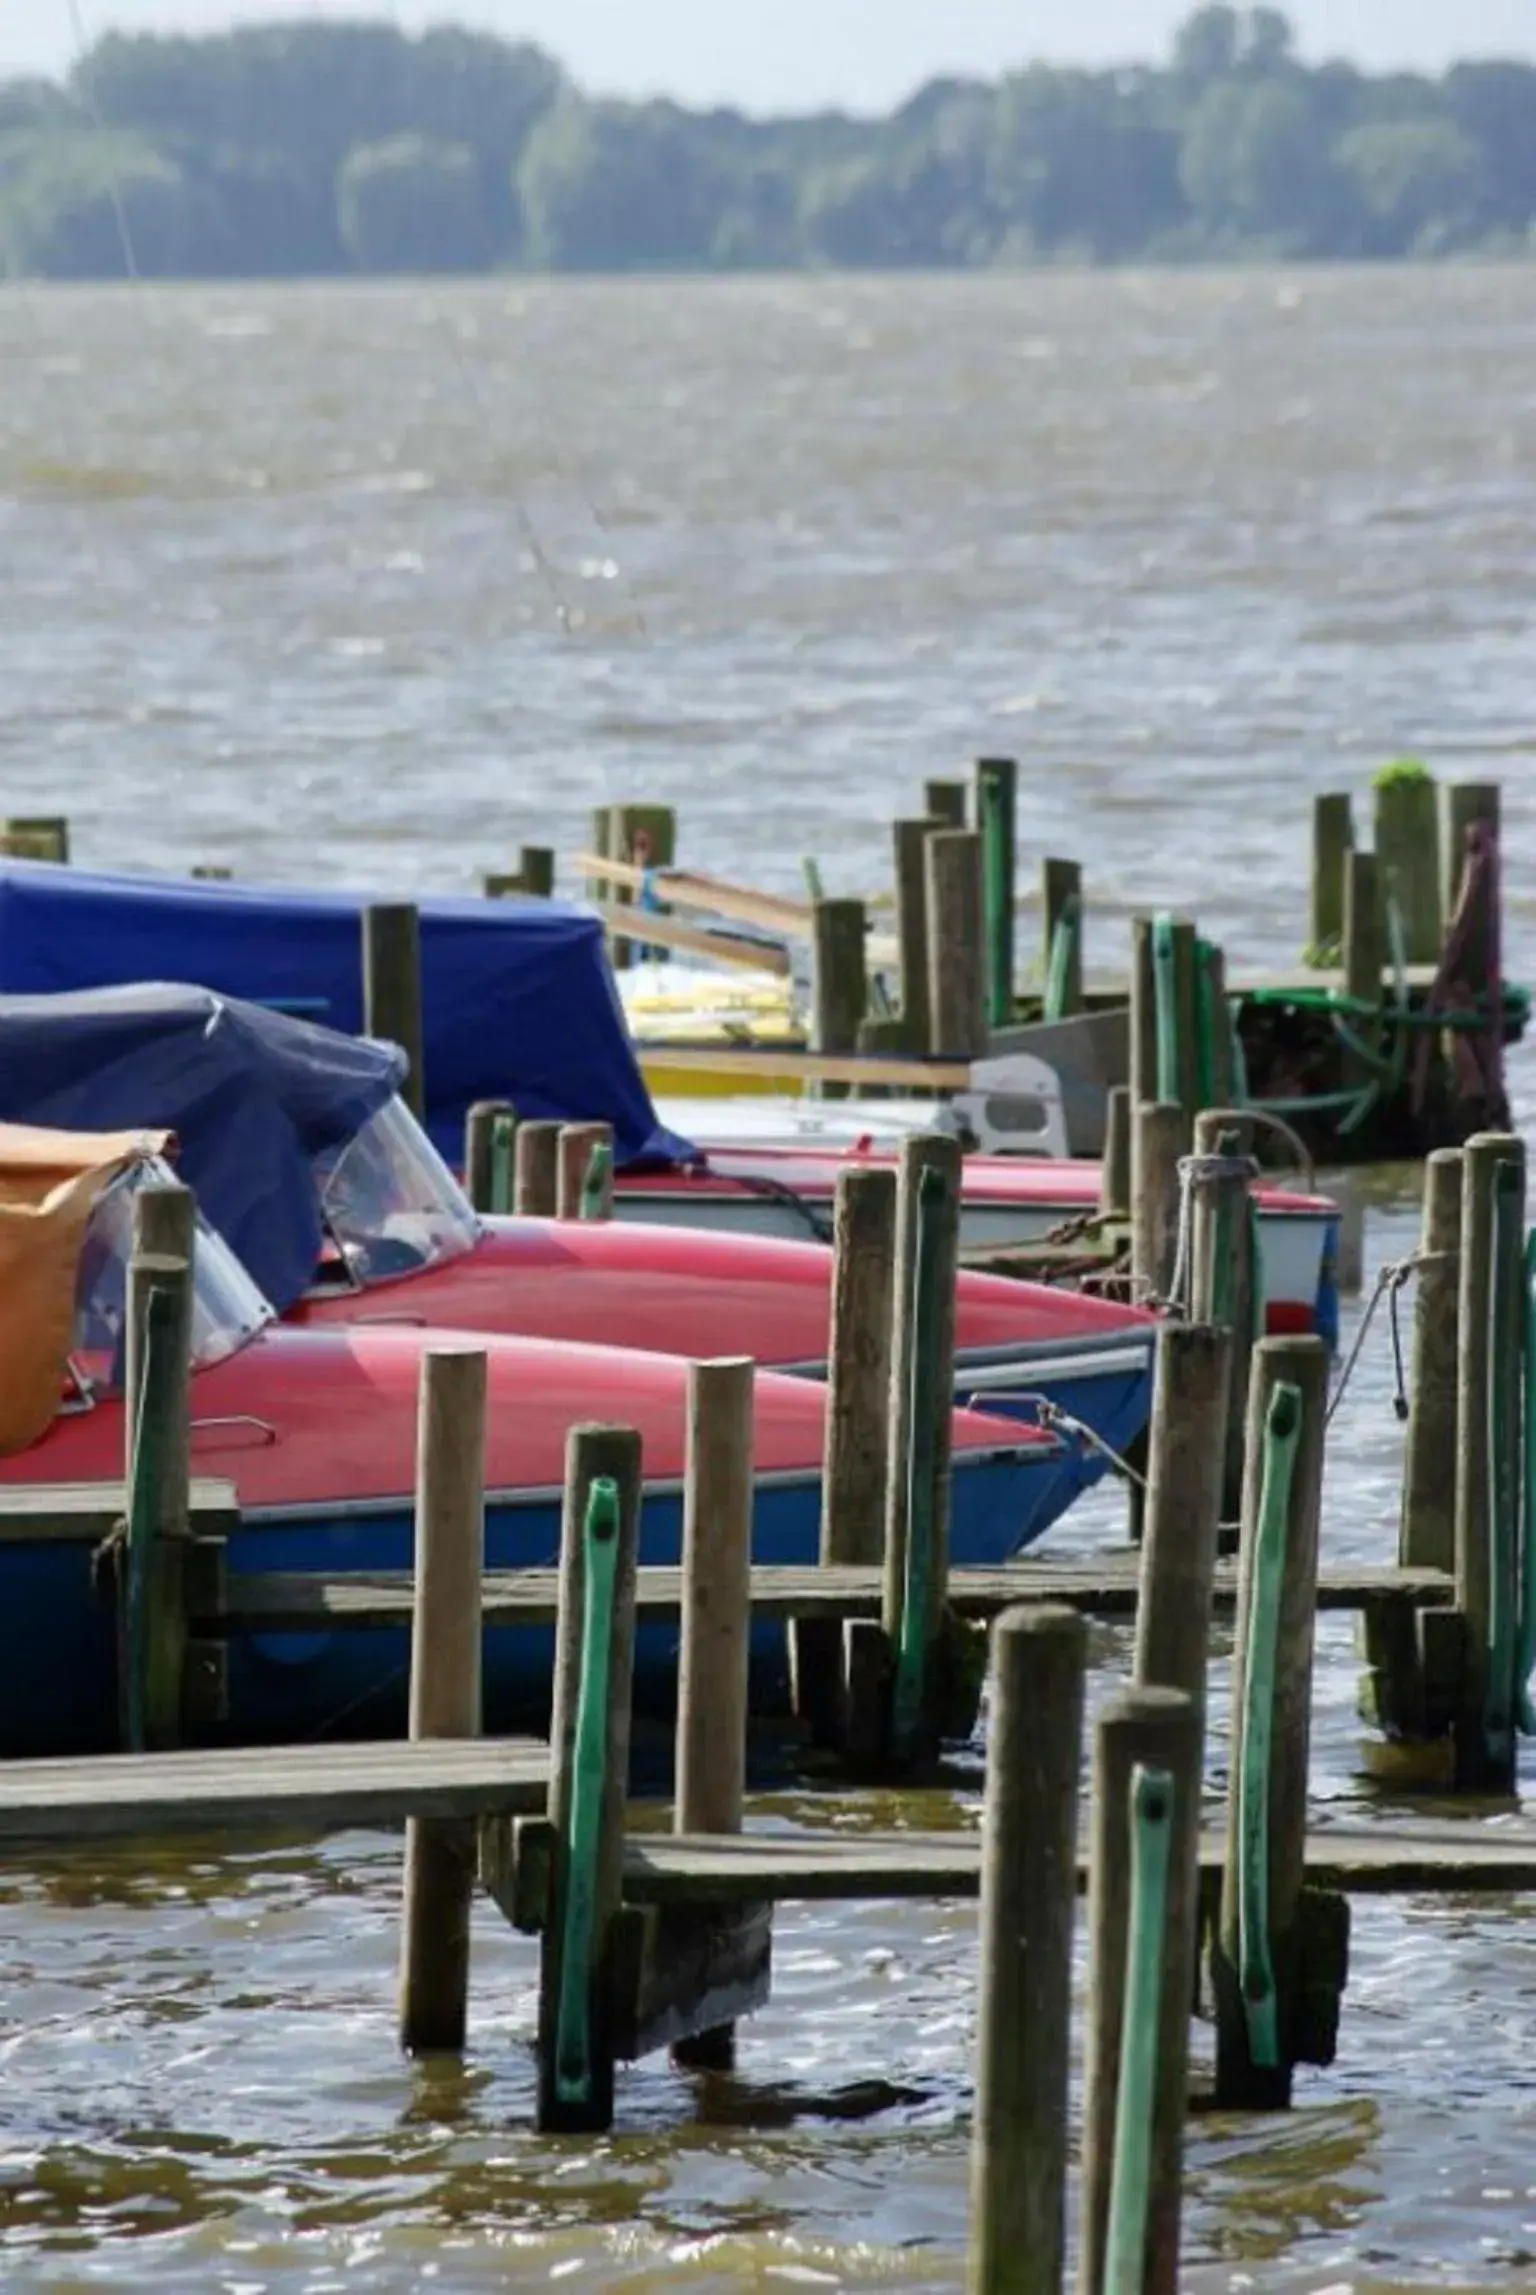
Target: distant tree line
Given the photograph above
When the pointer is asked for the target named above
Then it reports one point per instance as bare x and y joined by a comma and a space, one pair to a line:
324, 148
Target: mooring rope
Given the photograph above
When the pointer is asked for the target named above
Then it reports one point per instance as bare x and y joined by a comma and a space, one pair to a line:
1390, 1283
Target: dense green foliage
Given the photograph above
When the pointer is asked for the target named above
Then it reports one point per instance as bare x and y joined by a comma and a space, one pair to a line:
285, 150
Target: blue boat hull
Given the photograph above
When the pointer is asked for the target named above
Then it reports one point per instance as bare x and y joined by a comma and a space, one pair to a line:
58, 1661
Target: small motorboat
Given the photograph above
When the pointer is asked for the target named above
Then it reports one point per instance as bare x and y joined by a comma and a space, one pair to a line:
317, 1175
315, 1428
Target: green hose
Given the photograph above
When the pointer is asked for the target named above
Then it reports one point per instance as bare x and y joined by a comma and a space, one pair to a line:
1064, 940
503, 1144
1506, 1319
927, 1307
594, 1187
589, 1780
145, 1494
1165, 988
1282, 1432
1526, 1662
1130, 2190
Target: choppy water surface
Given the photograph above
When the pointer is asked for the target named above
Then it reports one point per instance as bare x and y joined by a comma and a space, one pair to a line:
380, 583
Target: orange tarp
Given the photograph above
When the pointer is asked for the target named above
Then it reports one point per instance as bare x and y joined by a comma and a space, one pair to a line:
49, 1183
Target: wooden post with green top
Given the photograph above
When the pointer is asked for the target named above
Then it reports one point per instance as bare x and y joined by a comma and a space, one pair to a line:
1143, 1900
1278, 1966
1061, 900
1164, 1000
1024, 1992
490, 1132
589, 1757
157, 1467
996, 815
1488, 1457
1333, 838
392, 988
584, 1171
1408, 854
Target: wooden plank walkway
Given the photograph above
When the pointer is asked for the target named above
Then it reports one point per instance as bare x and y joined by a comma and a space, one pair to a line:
1366, 1860
277, 1602
328, 1787
83, 1513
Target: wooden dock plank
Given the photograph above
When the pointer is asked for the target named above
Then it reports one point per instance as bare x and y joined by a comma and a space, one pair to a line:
275, 1602
327, 1787
83, 1513
1471, 1858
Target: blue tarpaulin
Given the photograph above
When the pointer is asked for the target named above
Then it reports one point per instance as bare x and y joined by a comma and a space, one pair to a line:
251, 1095
518, 1001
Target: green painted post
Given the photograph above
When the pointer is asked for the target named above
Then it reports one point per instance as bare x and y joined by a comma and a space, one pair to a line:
996, 784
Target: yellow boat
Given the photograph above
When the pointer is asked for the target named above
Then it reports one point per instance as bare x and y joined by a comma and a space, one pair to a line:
672, 1007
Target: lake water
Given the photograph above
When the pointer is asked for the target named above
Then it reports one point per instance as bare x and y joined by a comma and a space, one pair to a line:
377, 583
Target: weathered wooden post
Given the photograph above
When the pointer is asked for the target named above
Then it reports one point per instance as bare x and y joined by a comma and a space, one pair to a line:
1278, 1968
490, 1131
1363, 957
589, 1754
1488, 1450
584, 1171
1143, 1894
996, 815
910, 841
1223, 1266
716, 1627
392, 987
921, 1407
440, 1852
1061, 902
839, 982
1183, 1509
956, 947
1115, 1170
536, 869
1427, 1539
536, 1180
1333, 838
36, 837
1028, 1897
946, 802
1159, 1134
157, 1466
1466, 803
1408, 854
1163, 1013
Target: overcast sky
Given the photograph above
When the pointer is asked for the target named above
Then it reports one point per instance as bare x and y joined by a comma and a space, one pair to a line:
772, 54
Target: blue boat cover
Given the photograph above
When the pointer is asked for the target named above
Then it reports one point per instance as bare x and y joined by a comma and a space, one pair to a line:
251, 1096
518, 1000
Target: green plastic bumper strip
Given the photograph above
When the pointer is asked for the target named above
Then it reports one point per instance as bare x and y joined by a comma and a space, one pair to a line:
1130, 2189
503, 1146
997, 893
1256, 1969
1506, 1321
1166, 1004
144, 1496
1064, 941
912, 1643
573, 2030
594, 1187
1525, 1663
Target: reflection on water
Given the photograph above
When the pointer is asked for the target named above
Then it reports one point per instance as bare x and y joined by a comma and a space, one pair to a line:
1191, 549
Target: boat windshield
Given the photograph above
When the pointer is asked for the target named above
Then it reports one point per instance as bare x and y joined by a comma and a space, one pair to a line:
227, 1307
390, 1202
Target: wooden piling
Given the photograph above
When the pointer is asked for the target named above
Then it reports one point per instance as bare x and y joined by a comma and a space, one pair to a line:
956, 944
716, 1627
1276, 1610
1183, 1509
1157, 1731
575, 1147
445, 1690
1487, 1460
995, 812
536, 870
1333, 838
853, 1499
37, 837
946, 801
1028, 1893
1427, 1537
910, 841
1146, 1082
536, 1186
1115, 1170
157, 1423
1061, 902
1407, 843
839, 983
1223, 1273
480, 1153
1465, 804
1159, 1135
392, 988
1363, 951
922, 1393
611, 1455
